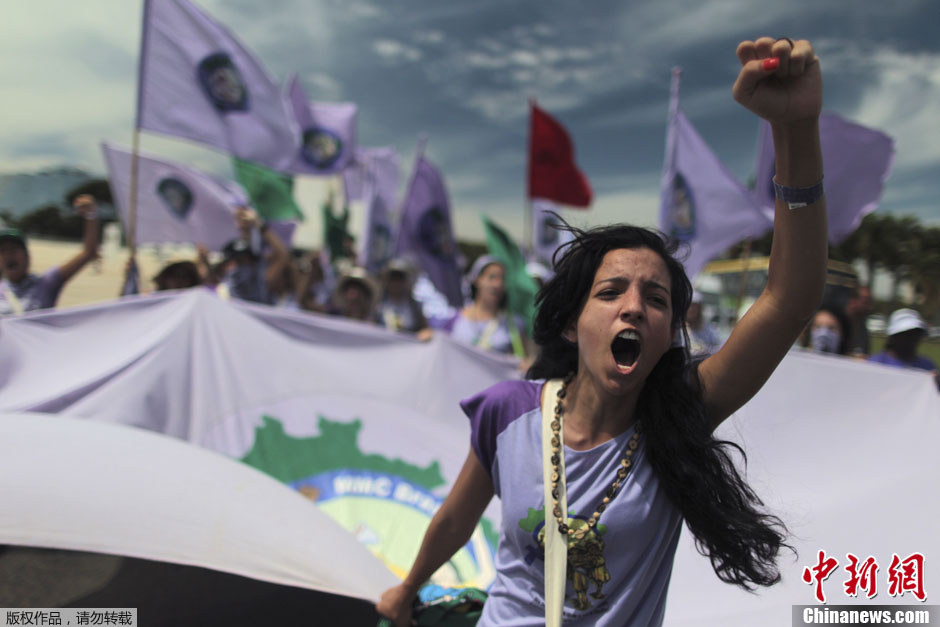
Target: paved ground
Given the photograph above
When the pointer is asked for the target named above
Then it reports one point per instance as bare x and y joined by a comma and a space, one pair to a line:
101, 280
48, 578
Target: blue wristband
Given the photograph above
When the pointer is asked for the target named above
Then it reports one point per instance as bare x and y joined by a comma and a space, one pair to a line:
797, 197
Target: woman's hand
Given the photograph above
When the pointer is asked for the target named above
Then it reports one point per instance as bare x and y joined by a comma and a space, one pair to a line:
395, 605
779, 80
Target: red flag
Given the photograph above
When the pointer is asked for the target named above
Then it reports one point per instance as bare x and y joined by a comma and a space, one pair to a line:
553, 174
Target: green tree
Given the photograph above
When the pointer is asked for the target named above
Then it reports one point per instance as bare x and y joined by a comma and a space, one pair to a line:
48, 220
922, 268
99, 188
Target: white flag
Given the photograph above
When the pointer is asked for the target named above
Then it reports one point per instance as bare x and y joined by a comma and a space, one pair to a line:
546, 236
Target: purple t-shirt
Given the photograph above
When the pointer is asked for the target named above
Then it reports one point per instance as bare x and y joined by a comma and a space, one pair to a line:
34, 292
622, 569
920, 362
472, 332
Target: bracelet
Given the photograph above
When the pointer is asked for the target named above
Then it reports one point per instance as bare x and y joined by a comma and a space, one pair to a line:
91, 215
797, 197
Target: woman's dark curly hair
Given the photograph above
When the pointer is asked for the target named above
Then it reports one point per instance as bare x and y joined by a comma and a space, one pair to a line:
695, 469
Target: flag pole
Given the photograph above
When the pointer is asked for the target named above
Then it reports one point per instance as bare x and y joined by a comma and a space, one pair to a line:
132, 205
669, 159
135, 145
528, 243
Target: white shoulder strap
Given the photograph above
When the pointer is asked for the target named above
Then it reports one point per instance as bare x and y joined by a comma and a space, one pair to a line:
15, 303
556, 544
486, 336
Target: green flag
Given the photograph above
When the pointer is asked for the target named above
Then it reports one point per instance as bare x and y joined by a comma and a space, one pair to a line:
271, 192
520, 287
336, 236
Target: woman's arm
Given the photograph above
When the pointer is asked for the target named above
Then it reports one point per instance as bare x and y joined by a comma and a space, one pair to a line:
788, 94
449, 530
86, 206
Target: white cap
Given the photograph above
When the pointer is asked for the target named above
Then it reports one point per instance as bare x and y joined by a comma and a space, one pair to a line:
539, 271
481, 263
904, 320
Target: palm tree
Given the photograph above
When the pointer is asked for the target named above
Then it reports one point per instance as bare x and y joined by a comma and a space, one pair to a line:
922, 268
864, 244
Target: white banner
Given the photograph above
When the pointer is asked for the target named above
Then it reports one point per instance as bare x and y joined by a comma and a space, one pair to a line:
90, 486
365, 423
845, 453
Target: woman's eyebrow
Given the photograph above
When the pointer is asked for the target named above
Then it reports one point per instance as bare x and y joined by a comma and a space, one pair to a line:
619, 280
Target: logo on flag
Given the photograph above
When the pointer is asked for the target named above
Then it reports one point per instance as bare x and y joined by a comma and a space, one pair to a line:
380, 244
434, 232
370, 495
321, 147
222, 83
176, 195
548, 230
682, 215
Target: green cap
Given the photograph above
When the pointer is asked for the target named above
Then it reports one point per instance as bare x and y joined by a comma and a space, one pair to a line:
13, 234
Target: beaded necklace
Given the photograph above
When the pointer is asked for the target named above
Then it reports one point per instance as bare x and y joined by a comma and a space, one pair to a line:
625, 465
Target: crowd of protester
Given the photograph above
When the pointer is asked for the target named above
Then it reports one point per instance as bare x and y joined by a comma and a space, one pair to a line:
258, 267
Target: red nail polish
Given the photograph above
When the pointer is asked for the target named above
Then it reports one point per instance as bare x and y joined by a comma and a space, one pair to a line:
770, 64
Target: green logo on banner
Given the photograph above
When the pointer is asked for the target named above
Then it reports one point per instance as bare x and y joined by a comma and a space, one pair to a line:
386, 503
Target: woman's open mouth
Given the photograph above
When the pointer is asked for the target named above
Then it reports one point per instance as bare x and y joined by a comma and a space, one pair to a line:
626, 348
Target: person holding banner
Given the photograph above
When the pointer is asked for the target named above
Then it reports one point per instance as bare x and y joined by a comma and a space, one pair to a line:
22, 291
248, 275
398, 309
622, 417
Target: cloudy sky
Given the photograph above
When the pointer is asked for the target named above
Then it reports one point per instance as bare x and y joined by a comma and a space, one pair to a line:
461, 73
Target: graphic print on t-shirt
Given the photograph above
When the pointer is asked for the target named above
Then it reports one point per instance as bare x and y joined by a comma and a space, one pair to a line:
586, 563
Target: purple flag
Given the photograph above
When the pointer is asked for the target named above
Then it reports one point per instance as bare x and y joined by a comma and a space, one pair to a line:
378, 239
426, 233
703, 204
377, 175
284, 229
379, 164
857, 161
327, 133
174, 203
198, 82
